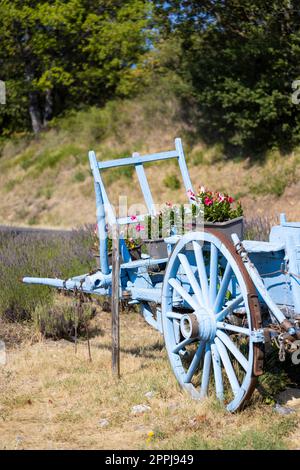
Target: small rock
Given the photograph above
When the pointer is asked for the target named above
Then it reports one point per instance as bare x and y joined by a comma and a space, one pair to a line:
140, 409
283, 410
19, 440
150, 394
103, 423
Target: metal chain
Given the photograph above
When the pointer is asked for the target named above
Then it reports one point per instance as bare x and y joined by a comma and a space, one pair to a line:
281, 353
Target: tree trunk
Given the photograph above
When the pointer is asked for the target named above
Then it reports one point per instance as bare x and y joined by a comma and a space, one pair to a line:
34, 112
48, 109
34, 106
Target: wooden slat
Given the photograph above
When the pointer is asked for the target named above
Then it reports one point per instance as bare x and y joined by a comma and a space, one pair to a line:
183, 167
144, 185
141, 159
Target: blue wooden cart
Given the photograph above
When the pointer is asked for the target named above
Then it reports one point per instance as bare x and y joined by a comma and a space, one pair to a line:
216, 300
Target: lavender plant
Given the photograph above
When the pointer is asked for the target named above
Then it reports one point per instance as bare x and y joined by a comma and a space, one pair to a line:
45, 255
258, 228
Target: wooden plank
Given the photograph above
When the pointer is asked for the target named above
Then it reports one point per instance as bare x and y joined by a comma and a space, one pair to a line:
111, 218
115, 318
183, 167
141, 159
144, 185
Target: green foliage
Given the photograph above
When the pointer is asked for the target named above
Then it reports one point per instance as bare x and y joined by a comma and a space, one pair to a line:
79, 177
172, 182
240, 59
116, 174
278, 174
56, 55
231, 63
275, 184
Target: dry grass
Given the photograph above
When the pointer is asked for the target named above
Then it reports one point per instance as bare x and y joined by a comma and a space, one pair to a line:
52, 398
46, 182
66, 202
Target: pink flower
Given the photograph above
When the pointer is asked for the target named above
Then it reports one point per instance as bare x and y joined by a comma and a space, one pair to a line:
133, 218
221, 198
208, 201
191, 195
139, 228
230, 200
169, 204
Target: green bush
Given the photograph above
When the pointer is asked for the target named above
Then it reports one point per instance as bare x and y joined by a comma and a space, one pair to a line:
79, 177
172, 182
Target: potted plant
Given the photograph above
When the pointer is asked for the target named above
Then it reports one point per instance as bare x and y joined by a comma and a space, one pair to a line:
207, 209
221, 212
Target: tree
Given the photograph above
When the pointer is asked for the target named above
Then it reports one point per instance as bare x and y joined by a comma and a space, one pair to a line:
240, 58
58, 54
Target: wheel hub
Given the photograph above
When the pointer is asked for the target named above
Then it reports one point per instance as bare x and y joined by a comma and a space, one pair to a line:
200, 324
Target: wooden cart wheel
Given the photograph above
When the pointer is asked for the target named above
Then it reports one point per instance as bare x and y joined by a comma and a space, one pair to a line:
210, 313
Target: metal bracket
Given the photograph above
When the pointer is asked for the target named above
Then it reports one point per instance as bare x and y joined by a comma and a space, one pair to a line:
257, 336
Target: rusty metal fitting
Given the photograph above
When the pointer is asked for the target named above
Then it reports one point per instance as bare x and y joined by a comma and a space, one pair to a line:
189, 326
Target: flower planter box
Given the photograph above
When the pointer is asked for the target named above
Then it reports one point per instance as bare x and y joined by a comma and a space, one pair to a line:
228, 228
157, 248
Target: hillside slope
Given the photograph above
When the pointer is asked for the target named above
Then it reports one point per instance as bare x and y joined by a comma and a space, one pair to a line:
47, 182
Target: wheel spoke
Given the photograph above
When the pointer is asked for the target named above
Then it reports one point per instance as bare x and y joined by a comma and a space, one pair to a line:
223, 288
206, 371
182, 344
227, 366
191, 277
201, 271
216, 360
174, 315
237, 329
195, 362
233, 349
184, 294
213, 279
228, 309
176, 328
